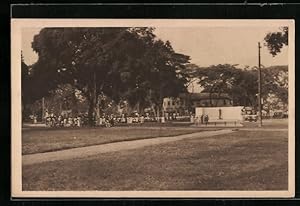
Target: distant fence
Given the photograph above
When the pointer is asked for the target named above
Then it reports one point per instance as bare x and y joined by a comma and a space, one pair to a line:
220, 124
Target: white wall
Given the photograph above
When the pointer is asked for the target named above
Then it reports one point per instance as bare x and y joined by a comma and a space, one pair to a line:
228, 113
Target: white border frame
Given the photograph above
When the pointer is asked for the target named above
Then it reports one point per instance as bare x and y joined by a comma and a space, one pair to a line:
16, 157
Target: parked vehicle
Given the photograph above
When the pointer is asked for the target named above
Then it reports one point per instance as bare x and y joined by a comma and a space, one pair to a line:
280, 114
249, 114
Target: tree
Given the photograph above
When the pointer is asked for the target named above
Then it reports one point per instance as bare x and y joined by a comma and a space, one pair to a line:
165, 74
226, 78
88, 58
241, 84
25, 80
245, 88
276, 40
158, 74
275, 88
65, 97
115, 62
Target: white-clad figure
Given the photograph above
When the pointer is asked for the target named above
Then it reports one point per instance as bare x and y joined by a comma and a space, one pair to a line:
78, 121
65, 122
129, 120
192, 119
46, 115
34, 119
70, 121
142, 119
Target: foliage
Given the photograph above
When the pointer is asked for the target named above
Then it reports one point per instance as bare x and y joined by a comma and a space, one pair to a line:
276, 40
275, 88
241, 84
238, 83
162, 76
24, 79
119, 63
26, 92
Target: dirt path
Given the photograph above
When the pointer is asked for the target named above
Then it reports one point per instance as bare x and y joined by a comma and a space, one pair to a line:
111, 147
264, 129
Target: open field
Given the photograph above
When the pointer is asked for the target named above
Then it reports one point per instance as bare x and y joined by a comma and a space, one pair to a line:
243, 160
269, 123
45, 140
37, 140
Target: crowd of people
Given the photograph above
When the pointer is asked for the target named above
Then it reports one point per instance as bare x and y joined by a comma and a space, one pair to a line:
69, 120
63, 120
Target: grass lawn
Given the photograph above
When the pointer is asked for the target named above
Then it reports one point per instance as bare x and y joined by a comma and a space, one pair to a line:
45, 140
269, 123
244, 160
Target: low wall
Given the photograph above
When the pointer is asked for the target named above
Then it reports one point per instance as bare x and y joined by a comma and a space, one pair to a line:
233, 113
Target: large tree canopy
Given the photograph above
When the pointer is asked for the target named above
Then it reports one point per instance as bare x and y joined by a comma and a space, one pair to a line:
120, 63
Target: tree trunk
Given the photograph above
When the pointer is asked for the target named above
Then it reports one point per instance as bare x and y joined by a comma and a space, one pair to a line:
23, 108
92, 101
138, 109
98, 108
218, 99
210, 99
95, 98
91, 112
157, 113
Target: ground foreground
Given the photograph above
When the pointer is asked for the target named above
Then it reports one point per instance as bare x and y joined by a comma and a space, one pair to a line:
243, 160
46, 140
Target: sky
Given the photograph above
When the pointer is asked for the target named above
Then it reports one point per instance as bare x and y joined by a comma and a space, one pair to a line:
211, 46
206, 46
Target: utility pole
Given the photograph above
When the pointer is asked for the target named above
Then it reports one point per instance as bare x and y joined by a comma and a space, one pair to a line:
43, 108
259, 88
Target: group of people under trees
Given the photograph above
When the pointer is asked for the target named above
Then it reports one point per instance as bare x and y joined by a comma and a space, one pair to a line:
64, 120
69, 120
107, 120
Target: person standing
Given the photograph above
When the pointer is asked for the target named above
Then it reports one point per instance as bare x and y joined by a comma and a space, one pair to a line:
46, 115
206, 119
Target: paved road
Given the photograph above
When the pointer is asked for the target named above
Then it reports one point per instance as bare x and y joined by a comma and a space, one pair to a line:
111, 147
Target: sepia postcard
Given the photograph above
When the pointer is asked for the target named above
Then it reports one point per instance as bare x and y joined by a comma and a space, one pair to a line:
153, 108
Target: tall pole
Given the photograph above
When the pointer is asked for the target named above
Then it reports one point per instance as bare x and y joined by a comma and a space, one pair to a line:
43, 108
259, 88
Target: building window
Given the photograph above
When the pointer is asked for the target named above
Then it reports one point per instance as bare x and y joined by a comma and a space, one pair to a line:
168, 103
